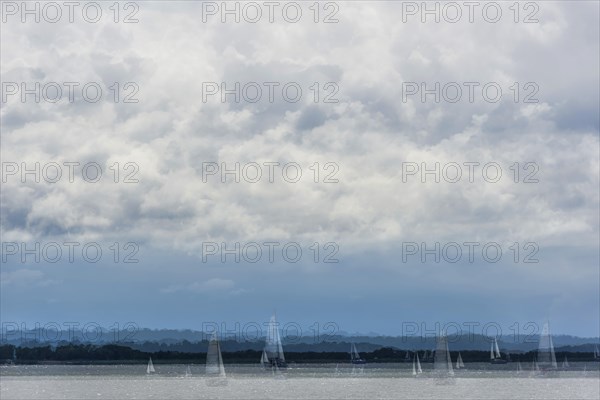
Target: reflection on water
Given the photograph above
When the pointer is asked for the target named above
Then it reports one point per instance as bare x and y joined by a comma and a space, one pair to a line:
388, 381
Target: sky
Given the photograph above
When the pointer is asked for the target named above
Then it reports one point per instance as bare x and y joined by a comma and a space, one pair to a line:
374, 218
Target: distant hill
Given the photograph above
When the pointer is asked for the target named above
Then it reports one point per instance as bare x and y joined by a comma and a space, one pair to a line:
195, 341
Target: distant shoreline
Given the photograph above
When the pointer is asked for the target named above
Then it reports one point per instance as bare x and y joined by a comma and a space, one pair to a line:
78, 354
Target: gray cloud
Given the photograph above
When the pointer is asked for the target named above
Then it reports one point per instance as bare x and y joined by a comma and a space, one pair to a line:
368, 133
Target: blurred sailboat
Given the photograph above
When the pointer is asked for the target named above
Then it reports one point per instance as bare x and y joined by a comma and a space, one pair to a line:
264, 359
188, 372
442, 364
459, 362
354, 356
214, 363
495, 357
273, 350
535, 369
416, 367
546, 358
565, 363
519, 368
150, 368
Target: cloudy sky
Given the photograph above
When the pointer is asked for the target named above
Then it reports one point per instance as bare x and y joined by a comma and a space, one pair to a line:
360, 209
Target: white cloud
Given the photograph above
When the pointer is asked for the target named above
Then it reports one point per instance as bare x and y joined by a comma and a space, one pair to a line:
368, 134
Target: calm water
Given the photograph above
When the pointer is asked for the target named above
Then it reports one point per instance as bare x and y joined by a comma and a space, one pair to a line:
385, 381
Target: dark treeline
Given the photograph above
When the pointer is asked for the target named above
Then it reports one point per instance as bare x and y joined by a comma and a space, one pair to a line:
86, 353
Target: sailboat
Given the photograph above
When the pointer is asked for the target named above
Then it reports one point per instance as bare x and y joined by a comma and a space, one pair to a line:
264, 359
406, 357
535, 369
519, 368
495, 357
565, 363
150, 368
273, 350
214, 363
442, 364
354, 356
545, 356
596, 354
459, 362
416, 367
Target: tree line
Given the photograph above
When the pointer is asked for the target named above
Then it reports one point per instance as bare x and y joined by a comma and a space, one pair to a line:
112, 353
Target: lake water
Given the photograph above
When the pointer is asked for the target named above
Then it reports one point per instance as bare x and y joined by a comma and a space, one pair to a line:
374, 381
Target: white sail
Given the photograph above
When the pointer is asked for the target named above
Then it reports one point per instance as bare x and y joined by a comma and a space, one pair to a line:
414, 371
492, 355
280, 350
407, 356
273, 345
416, 367
150, 367
354, 353
535, 366
565, 363
214, 359
188, 371
496, 348
442, 363
546, 356
264, 359
459, 362
519, 369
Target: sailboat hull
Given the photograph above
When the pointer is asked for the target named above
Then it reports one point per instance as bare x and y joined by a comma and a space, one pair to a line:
276, 363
